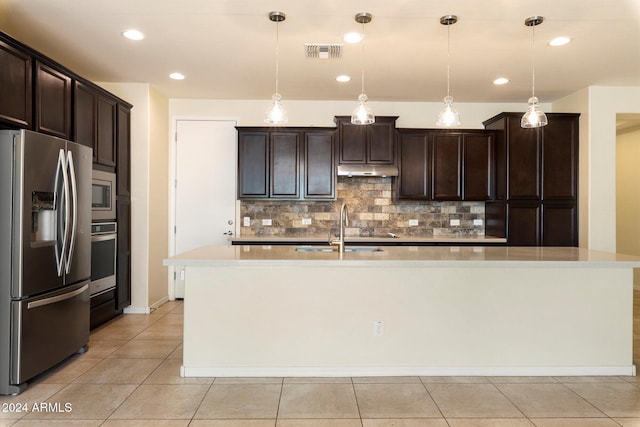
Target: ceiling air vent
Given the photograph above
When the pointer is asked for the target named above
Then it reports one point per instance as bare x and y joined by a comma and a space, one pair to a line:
322, 51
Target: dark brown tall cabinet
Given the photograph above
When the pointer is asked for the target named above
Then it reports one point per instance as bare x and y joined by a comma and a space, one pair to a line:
536, 181
286, 163
123, 207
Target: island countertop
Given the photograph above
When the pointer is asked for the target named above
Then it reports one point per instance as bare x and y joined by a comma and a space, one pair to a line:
404, 256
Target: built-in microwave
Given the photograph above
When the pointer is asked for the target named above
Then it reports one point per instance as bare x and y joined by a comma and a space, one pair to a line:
103, 196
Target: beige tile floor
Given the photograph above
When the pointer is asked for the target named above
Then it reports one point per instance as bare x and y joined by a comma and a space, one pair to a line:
130, 377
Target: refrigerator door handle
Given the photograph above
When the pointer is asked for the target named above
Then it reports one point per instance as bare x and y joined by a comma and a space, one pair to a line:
61, 246
57, 298
74, 201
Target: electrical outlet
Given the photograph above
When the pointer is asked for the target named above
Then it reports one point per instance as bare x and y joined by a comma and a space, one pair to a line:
266, 222
454, 222
413, 223
378, 328
477, 222
246, 221
306, 221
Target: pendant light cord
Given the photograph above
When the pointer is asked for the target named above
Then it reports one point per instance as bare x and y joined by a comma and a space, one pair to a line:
277, 52
533, 62
448, 54
362, 79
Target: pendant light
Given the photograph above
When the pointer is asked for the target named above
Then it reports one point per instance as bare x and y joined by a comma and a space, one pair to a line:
362, 115
276, 114
534, 117
448, 116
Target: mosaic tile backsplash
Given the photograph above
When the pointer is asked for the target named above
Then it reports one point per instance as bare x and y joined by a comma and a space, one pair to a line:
372, 213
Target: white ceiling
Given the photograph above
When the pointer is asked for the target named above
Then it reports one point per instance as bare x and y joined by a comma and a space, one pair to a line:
226, 48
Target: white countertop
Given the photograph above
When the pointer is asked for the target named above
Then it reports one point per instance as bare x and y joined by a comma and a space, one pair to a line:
404, 256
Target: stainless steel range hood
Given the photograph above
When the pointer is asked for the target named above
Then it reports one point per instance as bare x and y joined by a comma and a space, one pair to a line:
367, 170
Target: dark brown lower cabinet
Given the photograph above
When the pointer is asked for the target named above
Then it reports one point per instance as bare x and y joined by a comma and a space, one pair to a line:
560, 224
524, 224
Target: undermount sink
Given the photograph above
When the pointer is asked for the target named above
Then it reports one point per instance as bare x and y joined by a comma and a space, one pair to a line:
332, 249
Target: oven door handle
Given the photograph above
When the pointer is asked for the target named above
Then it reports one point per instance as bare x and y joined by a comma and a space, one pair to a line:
103, 237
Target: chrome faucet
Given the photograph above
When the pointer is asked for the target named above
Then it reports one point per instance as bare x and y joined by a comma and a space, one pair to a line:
344, 221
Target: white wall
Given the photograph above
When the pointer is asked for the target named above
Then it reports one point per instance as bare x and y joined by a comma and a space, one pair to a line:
158, 197
599, 106
321, 113
628, 192
149, 225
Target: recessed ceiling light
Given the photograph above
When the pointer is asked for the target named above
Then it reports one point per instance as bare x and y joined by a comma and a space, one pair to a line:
501, 81
177, 76
343, 78
353, 37
560, 41
133, 34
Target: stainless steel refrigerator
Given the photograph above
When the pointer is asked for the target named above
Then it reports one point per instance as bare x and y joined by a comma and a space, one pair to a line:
45, 254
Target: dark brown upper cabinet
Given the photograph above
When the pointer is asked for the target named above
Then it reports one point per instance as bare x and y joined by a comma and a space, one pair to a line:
445, 165
86, 116
16, 96
319, 164
95, 123
253, 164
367, 144
286, 163
106, 141
123, 151
53, 101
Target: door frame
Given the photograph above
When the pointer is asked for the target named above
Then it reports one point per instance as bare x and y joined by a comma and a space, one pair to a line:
173, 150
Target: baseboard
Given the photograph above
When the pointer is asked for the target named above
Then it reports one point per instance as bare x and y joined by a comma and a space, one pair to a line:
137, 310
490, 371
159, 302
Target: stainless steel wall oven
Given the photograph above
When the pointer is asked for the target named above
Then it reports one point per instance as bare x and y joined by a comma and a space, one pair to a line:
103, 257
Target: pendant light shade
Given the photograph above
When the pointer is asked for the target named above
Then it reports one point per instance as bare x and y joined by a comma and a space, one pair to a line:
534, 117
448, 116
362, 115
276, 114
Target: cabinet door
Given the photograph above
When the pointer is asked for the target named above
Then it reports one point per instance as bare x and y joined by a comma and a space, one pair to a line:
523, 224
559, 224
123, 167
477, 166
523, 162
106, 131
319, 165
353, 143
381, 142
53, 101
253, 165
447, 166
85, 118
123, 251
15, 87
285, 159
414, 180
560, 158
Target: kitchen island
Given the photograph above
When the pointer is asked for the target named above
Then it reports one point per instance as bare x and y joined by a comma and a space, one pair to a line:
276, 311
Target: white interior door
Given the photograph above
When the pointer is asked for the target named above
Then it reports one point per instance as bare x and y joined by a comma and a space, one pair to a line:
205, 194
